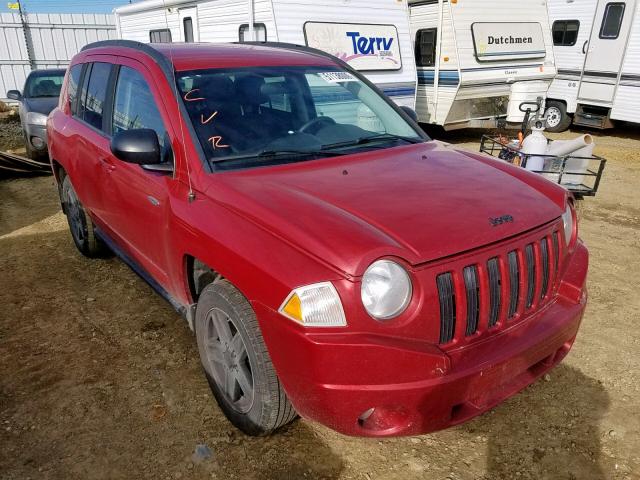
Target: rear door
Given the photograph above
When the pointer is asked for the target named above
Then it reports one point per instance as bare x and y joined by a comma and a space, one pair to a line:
87, 133
137, 200
605, 50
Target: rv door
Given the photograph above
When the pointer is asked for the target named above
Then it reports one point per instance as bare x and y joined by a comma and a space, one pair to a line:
605, 49
189, 25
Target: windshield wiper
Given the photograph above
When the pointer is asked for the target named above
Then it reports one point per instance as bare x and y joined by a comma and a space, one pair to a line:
272, 154
373, 138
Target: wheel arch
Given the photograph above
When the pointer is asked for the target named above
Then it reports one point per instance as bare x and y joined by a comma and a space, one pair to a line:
197, 275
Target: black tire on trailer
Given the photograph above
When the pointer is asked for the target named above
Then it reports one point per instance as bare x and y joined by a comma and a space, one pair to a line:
80, 224
236, 362
558, 120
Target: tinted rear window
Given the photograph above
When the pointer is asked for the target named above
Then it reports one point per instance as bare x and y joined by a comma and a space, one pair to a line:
94, 94
74, 85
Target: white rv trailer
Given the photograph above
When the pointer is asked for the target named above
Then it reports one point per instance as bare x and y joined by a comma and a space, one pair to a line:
371, 36
478, 60
597, 47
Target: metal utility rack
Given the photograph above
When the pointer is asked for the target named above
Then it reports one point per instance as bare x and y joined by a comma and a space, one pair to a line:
558, 169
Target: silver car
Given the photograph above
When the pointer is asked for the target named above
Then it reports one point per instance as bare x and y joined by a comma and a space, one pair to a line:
39, 97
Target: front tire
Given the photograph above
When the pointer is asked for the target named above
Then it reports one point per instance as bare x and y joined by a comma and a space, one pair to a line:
236, 362
80, 224
558, 120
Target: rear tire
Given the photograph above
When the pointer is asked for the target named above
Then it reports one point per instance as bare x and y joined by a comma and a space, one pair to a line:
80, 224
558, 120
236, 362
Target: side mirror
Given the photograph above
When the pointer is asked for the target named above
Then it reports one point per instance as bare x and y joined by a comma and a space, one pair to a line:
411, 112
14, 95
139, 146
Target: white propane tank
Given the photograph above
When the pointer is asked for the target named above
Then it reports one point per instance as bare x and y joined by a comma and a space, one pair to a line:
535, 144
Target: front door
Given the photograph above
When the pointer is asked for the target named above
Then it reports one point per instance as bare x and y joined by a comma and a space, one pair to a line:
605, 50
189, 25
136, 203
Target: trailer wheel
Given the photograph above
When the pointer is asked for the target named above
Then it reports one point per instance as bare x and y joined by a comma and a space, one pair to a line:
236, 362
80, 223
558, 120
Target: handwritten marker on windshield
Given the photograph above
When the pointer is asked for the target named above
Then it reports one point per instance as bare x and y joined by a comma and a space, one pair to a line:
203, 121
187, 96
215, 142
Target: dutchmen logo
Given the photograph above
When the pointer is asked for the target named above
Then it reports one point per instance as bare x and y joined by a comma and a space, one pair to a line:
508, 40
370, 45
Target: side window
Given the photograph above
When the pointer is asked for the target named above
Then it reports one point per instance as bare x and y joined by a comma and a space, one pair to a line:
565, 32
94, 94
73, 87
426, 47
612, 21
187, 27
134, 106
162, 35
260, 32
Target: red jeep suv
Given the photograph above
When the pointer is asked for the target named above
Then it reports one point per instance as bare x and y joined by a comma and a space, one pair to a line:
333, 261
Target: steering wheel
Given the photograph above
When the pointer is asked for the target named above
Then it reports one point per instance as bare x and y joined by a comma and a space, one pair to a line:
316, 122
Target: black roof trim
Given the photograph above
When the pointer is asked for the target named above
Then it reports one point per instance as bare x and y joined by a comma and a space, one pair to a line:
159, 58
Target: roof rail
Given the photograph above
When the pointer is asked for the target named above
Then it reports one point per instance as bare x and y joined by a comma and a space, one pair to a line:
163, 62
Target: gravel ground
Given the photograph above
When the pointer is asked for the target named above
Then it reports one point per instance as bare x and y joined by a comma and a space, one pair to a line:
10, 132
99, 378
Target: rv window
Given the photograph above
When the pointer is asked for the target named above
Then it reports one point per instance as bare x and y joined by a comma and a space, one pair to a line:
565, 32
426, 47
260, 32
94, 94
160, 36
612, 21
187, 24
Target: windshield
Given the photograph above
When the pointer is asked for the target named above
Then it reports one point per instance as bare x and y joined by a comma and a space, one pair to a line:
44, 84
268, 115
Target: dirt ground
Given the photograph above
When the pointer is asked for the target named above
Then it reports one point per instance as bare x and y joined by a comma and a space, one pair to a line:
100, 378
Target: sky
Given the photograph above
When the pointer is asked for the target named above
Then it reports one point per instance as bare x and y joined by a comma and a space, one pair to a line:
65, 6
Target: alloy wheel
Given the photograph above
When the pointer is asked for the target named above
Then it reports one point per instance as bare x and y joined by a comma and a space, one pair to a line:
228, 360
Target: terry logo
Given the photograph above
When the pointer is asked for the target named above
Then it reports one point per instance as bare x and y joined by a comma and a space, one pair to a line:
369, 45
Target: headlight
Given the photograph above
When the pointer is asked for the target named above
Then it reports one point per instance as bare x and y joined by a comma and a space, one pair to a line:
35, 118
567, 220
386, 290
316, 305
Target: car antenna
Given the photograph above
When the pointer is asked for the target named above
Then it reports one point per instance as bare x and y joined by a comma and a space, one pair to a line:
192, 194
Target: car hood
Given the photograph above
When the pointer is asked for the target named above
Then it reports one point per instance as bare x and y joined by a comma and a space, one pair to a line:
419, 202
42, 105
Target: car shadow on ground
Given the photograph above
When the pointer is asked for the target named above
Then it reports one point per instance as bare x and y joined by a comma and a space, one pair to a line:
551, 430
26, 201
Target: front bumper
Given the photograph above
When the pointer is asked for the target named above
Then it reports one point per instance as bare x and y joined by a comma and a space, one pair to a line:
365, 385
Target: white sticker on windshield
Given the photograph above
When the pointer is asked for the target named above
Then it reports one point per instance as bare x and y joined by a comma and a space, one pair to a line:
337, 77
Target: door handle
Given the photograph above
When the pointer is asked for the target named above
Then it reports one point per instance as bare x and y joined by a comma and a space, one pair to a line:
584, 47
107, 163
